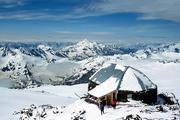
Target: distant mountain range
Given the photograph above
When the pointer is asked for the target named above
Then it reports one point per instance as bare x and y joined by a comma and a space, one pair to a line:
28, 64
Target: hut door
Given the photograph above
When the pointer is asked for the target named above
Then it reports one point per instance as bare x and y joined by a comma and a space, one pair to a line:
114, 95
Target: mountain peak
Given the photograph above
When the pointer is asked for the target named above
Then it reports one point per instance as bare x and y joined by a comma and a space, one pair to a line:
87, 43
83, 49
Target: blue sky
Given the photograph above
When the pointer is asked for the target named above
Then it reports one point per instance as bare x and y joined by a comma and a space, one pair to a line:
98, 20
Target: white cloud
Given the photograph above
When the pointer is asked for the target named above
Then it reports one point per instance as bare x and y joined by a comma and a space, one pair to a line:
11, 3
27, 15
150, 9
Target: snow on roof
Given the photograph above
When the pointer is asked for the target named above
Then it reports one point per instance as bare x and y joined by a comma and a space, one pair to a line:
117, 77
106, 87
106, 72
120, 67
145, 82
130, 82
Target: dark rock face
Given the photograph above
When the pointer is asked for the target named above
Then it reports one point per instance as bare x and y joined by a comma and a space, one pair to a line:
133, 117
79, 79
6, 51
148, 97
9, 67
177, 50
44, 111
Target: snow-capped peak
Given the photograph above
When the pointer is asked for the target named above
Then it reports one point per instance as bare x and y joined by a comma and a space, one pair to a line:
83, 49
44, 47
85, 43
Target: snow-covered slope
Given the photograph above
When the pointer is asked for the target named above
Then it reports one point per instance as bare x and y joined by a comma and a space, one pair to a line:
61, 102
81, 110
35, 64
163, 53
14, 99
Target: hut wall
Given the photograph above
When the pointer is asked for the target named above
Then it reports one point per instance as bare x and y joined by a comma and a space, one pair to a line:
110, 97
122, 96
148, 97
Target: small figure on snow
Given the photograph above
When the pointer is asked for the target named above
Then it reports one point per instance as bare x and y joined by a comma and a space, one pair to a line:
114, 102
101, 106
